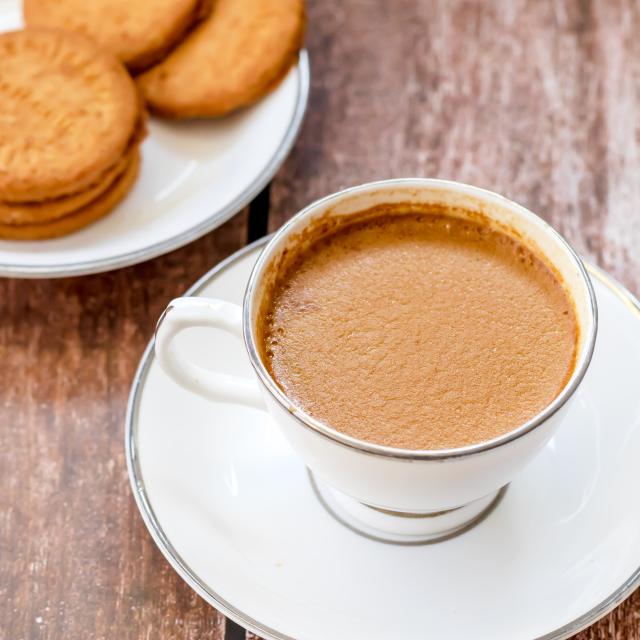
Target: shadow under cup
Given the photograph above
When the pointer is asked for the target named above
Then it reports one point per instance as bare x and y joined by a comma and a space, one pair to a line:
416, 495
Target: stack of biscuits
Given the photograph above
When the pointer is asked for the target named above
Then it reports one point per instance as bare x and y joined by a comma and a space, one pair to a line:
72, 116
70, 126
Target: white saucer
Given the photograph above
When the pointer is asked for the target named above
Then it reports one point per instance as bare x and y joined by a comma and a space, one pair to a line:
234, 512
194, 177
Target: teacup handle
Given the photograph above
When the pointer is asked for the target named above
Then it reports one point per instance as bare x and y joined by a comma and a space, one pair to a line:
185, 313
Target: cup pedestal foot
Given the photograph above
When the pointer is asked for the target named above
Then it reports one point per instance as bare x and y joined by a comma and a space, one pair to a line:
403, 527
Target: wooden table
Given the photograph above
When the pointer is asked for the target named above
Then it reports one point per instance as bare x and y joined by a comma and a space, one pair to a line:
537, 100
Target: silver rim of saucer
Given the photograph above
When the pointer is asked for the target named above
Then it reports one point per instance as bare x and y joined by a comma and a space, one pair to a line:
209, 595
214, 221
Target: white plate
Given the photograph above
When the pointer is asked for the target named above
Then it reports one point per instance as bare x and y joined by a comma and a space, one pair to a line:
194, 177
233, 510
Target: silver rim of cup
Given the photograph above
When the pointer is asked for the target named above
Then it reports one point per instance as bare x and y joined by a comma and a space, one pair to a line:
326, 431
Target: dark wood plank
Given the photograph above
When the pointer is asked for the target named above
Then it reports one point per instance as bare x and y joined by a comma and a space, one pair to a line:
76, 561
539, 101
258, 223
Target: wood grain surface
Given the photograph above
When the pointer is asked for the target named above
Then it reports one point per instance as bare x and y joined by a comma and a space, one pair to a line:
76, 561
537, 100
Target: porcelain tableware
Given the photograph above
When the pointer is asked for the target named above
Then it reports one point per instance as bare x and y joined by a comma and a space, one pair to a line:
403, 494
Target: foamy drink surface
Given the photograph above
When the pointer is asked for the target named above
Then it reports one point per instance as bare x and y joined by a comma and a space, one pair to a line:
419, 331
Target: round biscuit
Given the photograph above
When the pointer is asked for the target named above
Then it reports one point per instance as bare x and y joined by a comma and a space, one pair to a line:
81, 218
69, 110
137, 32
230, 60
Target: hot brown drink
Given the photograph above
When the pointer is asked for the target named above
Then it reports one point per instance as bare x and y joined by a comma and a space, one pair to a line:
418, 329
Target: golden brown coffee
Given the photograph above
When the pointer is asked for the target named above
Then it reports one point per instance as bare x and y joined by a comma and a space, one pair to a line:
419, 330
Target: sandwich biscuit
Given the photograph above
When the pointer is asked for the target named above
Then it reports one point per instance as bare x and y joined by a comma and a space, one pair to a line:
86, 215
45, 210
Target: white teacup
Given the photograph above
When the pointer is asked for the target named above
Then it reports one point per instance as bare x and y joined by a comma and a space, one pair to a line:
393, 493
